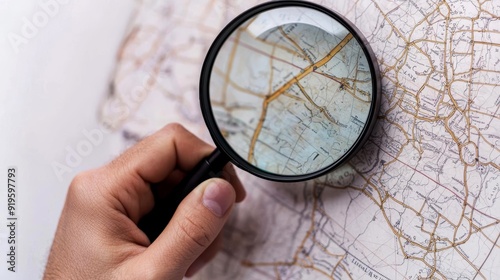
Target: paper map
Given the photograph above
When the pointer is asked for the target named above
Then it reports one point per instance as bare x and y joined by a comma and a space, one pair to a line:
420, 201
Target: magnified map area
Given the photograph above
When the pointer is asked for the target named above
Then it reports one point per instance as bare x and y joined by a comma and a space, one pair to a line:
424, 199
291, 91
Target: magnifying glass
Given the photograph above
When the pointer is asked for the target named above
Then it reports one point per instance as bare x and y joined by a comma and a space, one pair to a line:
289, 91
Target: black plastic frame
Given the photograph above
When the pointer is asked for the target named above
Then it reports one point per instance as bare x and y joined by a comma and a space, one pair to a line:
206, 107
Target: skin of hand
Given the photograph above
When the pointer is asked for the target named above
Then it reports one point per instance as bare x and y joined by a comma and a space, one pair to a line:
97, 236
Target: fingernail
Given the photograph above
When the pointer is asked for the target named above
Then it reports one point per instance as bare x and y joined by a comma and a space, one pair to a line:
217, 198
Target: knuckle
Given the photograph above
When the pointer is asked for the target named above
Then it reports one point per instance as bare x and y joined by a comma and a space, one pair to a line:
84, 186
80, 181
193, 232
173, 127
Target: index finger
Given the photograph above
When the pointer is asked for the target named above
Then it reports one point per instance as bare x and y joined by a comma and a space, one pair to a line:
154, 158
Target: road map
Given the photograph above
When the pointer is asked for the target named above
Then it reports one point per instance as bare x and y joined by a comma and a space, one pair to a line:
422, 198
291, 90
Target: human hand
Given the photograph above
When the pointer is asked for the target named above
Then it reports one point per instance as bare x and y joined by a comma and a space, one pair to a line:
97, 236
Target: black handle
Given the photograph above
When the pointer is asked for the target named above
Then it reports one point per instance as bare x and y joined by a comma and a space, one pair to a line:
155, 221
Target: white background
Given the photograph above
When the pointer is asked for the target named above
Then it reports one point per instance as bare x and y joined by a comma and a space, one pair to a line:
50, 91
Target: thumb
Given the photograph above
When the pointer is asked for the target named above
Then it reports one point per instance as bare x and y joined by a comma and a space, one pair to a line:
194, 226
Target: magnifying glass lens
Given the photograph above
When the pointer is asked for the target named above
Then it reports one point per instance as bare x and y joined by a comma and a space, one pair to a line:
290, 91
